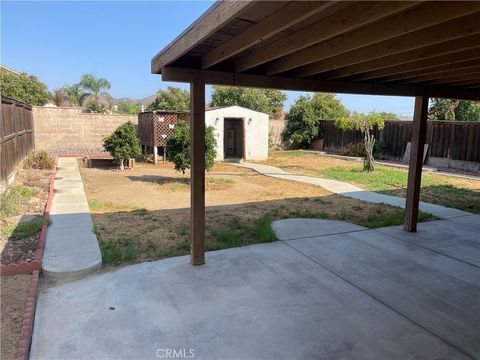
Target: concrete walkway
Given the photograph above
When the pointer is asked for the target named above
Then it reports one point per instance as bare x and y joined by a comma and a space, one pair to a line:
348, 190
71, 248
329, 290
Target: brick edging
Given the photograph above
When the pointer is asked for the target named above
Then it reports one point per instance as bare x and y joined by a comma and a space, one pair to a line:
23, 349
24, 267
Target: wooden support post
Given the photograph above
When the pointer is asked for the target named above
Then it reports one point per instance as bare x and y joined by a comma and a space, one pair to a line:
197, 172
155, 155
419, 133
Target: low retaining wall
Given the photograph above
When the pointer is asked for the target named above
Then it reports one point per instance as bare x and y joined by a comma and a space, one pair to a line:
68, 130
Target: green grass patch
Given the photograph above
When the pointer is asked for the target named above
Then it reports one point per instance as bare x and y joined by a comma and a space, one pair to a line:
182, 248
239, 232
14, 198
379, 180
118, 251
394, 182
22, 230
99, 205
379, 218
218, 183
292, 153
178, 186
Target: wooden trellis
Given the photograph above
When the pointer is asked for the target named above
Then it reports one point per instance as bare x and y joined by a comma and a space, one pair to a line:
154, 129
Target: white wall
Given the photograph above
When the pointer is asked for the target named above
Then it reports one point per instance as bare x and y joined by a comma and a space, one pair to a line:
256, 131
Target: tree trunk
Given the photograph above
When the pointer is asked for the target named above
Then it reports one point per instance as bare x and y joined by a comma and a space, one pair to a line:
122, 167
369, 142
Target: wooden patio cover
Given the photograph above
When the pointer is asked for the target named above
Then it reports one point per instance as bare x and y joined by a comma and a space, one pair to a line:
416, 48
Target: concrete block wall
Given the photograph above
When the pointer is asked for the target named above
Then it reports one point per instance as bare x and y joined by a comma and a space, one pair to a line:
68, 130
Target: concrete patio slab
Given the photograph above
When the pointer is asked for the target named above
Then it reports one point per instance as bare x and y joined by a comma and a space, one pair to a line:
454, 238
264, 301
470, 220
356, 295
71, 249
440, 294
288, 229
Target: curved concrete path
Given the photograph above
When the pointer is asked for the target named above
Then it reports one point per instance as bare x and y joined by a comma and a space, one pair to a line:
351, 191
71, 249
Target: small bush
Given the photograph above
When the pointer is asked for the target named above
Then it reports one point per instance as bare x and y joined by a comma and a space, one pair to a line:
379, 148
123, 144
354, 149
178, 147
39, 160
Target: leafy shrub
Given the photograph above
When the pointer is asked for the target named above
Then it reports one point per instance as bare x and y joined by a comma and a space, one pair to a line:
178, 147
123, 144
39, 160
354, 149
379, 148
305, 115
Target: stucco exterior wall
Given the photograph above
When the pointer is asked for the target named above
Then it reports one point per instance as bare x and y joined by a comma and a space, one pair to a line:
60, 129
256, 130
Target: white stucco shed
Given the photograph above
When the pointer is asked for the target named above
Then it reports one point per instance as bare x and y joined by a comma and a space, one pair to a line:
241, 133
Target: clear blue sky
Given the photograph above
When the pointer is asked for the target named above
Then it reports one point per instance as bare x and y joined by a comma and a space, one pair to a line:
59, 41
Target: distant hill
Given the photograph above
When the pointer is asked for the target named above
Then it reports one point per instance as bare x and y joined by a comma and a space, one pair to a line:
145, 101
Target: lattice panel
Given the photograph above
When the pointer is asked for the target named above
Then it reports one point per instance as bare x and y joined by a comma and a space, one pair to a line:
163, 127
154, 129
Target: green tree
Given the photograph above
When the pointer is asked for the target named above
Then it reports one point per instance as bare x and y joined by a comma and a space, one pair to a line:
388, 116
74, 94
123, 144
178, 147
305, 114
96, 87
263, 100
454, 110
364, 123
125, 107
25, 88
173, 98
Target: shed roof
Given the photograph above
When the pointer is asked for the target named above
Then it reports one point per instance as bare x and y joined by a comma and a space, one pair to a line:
366, 47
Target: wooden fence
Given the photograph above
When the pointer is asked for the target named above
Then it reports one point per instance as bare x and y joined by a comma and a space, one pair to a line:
16, 136
455, 140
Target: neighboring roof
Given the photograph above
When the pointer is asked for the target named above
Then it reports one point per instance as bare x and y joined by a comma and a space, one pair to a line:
375, 47
6, 69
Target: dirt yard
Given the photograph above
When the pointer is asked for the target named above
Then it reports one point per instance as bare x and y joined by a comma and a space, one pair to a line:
143, 214
13, 297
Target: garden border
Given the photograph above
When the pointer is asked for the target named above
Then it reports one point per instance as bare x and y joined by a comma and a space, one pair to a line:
25, 267
23, 349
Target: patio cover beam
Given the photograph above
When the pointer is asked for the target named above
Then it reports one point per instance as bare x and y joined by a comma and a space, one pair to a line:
347, 19
285, 83
431, 52
214, 18
411, 21
450, 30
422, 67
289, 15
